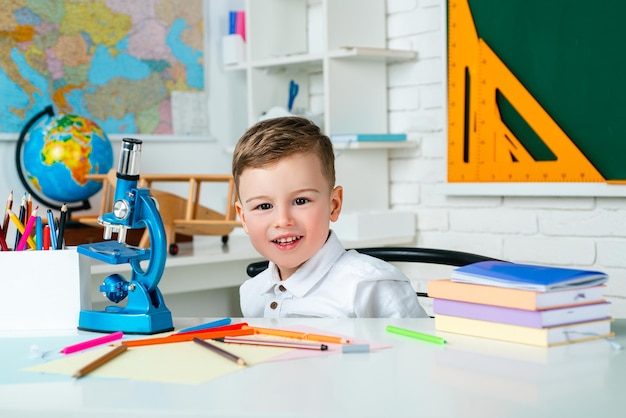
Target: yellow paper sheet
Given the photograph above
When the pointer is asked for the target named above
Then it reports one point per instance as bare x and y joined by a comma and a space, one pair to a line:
184, 362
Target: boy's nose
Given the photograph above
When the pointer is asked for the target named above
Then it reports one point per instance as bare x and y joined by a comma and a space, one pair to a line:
283, 217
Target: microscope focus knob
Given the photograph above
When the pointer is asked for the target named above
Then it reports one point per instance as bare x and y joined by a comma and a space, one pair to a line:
121, 209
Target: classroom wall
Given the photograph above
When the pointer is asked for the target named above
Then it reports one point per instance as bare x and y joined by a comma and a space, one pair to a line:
582, 232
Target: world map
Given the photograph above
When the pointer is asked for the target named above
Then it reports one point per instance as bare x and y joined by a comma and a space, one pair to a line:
116, 62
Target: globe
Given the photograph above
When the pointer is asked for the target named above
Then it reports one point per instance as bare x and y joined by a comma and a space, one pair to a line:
58, 154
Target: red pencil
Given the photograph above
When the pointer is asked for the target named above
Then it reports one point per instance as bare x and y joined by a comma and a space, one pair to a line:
3, 242
46, 237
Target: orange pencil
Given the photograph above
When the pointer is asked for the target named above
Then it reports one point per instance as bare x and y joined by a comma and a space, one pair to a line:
177, 338
299, 335
5, 223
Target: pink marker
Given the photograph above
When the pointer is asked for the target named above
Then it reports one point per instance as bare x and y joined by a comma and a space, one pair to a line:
240, 24
93, 343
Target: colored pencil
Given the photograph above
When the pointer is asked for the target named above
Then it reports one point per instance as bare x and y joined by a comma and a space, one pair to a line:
214, 329
228, 355
274, 343
46, 237
414, 334
29, 204
5, 223
177, 338
39, 233
20, 228
299, 335
92, 343
53, 230
3, 242
27, 230
212, 324
62, 222
100, 361
21, 216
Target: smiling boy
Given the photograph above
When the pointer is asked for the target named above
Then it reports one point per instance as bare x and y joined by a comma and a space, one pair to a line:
284, 171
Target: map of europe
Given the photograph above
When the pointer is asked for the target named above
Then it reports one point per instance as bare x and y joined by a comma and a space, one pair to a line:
115, 62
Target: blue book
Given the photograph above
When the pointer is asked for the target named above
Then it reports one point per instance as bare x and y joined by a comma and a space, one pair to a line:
367, 137
527, 276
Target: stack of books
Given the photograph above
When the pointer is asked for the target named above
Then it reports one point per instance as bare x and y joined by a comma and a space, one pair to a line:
528, 304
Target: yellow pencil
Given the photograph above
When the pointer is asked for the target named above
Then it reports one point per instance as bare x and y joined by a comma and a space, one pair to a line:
20, 227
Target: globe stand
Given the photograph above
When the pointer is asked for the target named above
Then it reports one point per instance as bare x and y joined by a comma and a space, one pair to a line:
145, 311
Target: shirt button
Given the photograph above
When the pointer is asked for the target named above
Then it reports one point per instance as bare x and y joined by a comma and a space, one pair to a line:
282, 288
274, 305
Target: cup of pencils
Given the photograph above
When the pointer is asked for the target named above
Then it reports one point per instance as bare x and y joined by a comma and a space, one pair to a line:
32, 232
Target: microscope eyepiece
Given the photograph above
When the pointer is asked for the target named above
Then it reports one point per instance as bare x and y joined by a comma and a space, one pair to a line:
129, 163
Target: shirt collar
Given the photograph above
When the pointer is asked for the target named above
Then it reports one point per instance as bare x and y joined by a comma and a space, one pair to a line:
311, 272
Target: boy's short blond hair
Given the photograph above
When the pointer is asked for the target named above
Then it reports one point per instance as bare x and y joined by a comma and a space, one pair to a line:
269, 141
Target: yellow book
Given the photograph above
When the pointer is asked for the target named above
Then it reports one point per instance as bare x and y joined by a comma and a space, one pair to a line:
541, 337
513, 298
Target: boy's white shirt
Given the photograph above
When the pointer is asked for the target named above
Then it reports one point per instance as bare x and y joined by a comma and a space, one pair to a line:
334, 283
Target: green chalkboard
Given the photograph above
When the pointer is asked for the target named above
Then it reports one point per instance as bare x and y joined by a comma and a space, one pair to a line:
571, 56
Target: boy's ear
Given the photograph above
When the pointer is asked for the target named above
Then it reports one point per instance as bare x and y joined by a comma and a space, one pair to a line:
336, 200
241, 215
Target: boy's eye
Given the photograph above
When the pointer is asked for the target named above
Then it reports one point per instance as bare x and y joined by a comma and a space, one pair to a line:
264, 206
300, 201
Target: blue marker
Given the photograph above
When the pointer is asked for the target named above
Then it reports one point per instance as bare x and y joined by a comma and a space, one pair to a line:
53, 230
232, 22
214, 324
39, 233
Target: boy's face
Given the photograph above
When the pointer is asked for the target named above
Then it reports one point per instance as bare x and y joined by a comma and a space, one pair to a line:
286, 209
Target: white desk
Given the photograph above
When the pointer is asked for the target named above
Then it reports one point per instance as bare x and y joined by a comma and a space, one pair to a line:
468, 377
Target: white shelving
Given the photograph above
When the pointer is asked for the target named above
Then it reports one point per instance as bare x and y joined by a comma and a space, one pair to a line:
340, 42
335, 50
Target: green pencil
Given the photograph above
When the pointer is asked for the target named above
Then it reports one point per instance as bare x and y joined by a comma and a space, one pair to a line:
417, 335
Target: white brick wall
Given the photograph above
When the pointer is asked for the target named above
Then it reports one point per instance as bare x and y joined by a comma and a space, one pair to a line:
583, 232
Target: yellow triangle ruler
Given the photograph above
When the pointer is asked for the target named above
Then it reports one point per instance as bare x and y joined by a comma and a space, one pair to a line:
481, 147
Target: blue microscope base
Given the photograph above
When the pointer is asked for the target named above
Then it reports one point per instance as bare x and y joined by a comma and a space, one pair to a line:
128, 323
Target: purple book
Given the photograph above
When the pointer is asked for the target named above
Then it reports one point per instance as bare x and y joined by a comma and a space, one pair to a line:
522, 317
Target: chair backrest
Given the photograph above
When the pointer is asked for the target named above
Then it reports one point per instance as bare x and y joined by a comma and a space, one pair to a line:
403, 254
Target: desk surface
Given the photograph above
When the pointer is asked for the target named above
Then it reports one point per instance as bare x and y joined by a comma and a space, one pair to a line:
468, 377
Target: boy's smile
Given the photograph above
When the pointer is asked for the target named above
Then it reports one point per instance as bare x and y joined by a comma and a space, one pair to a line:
286, 209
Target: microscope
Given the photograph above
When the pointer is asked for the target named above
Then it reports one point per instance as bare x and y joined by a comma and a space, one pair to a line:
145, 311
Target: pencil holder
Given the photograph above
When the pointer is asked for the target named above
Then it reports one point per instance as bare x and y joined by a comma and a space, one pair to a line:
43, 290
233, 49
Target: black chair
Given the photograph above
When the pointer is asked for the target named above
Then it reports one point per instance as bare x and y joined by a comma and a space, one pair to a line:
403, 254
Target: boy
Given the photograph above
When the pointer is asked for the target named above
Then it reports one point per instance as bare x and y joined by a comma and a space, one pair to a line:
284, 171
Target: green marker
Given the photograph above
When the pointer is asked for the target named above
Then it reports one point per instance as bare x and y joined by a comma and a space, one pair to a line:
416, 335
